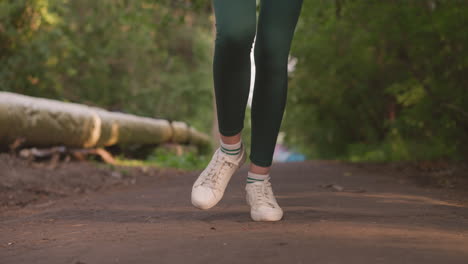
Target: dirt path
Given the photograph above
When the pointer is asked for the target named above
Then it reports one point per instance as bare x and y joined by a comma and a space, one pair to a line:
153, 221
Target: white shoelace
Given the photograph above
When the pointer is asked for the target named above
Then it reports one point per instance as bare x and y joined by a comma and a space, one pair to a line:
211, 178
264, 194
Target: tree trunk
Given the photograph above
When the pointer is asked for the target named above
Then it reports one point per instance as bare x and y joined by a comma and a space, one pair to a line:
44, 122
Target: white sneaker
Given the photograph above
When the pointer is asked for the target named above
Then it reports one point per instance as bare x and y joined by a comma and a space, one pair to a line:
209, 188
262, 201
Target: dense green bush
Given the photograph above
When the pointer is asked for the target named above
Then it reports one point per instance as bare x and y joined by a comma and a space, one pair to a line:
380, 80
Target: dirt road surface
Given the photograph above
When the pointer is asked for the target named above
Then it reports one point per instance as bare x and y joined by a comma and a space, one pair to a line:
334, 213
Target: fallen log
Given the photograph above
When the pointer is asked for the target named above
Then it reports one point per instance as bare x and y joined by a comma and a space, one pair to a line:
43, 122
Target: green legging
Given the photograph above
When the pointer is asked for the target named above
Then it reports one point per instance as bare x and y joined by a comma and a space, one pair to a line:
235, 31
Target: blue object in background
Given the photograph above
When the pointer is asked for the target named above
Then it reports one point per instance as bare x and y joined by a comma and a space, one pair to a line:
295, 157
283, 154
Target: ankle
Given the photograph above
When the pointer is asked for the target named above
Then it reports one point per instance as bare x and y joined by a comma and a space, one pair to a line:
231, 139
258, 169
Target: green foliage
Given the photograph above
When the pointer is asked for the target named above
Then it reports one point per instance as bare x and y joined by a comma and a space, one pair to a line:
188, 160
380, 80
149, 58
160, 157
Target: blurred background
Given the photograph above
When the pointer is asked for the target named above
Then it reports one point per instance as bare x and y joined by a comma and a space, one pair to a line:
369, 80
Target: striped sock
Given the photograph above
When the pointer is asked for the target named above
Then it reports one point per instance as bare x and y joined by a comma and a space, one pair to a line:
231, 149
254, 177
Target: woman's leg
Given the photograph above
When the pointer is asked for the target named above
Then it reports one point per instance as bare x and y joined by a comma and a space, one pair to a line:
276, 25
235, 31
275, 31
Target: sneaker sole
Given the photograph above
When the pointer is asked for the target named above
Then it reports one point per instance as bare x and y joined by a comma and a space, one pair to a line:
266, 218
